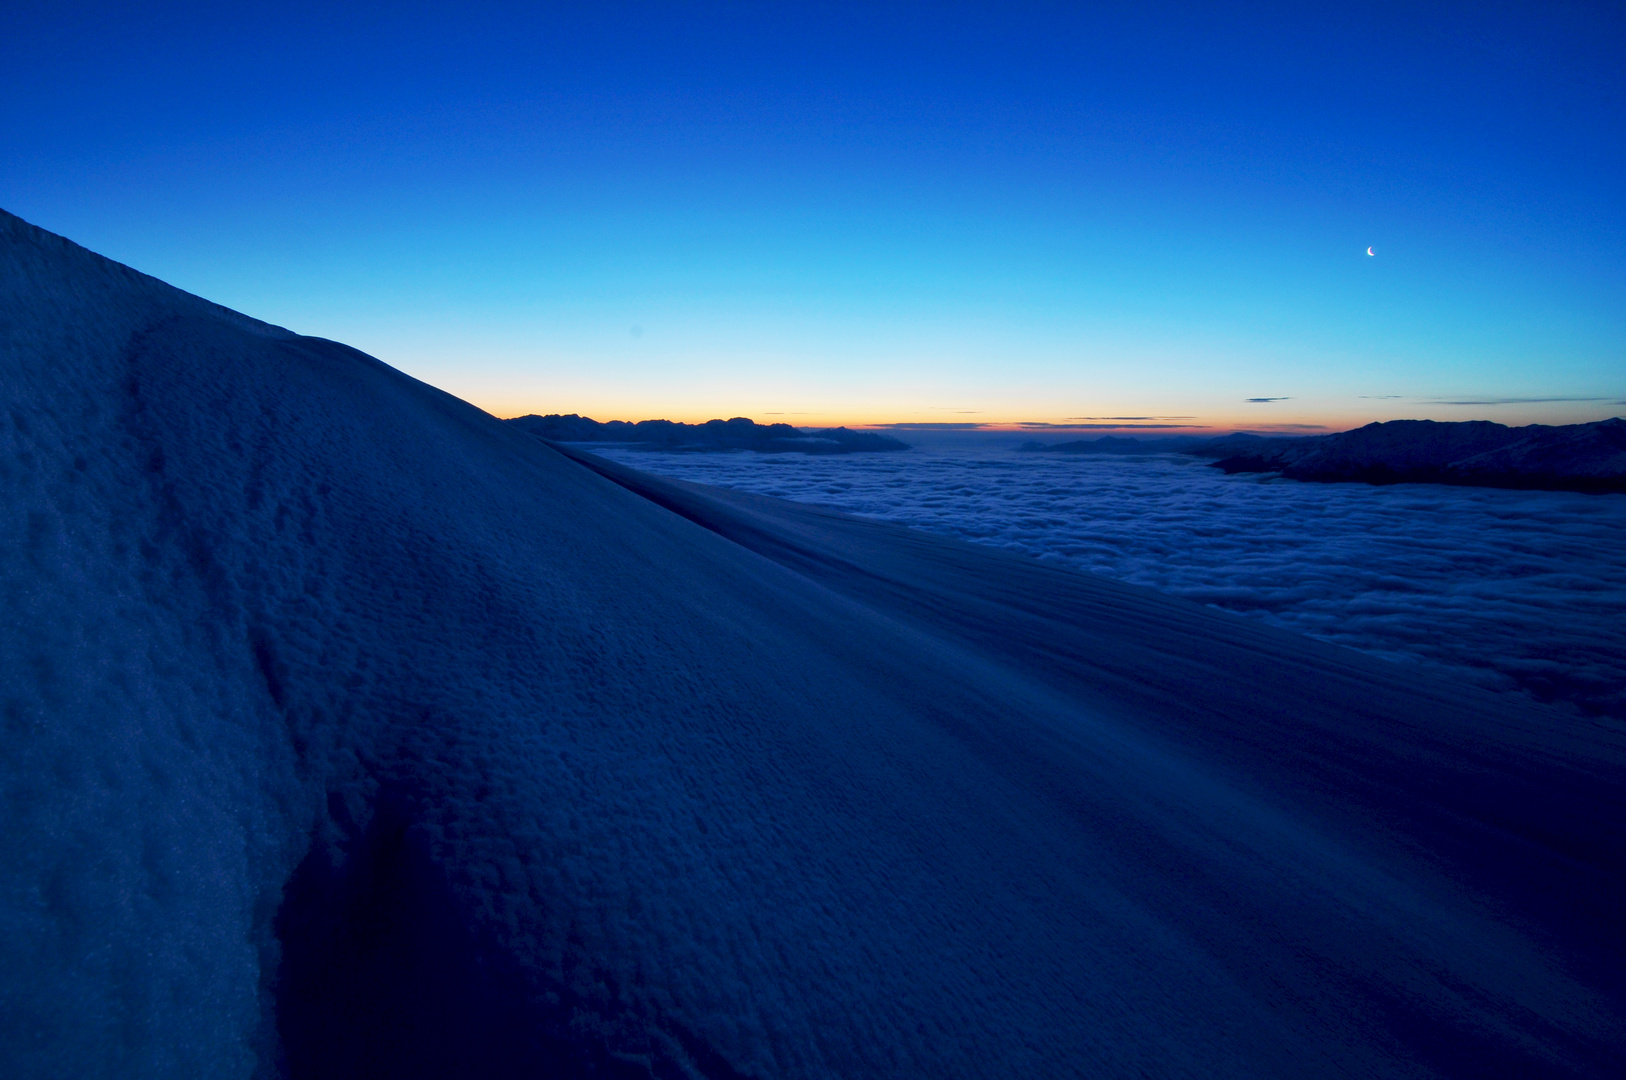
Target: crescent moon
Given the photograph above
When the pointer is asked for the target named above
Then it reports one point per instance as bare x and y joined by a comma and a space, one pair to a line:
1369, 251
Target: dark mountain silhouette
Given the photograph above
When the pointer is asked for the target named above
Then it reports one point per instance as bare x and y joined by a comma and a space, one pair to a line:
1574, 457
739, 433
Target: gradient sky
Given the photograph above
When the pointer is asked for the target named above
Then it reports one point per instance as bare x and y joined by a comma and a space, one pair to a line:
870, 213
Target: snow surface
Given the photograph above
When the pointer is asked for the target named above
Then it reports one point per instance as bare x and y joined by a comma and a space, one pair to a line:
348, 732
1512, 590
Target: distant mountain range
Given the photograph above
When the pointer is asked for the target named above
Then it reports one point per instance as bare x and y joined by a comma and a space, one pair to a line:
1573, 457
1479, 453
736, 434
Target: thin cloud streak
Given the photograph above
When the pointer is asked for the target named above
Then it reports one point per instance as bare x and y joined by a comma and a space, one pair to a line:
1519, 401
926, 425
1104, 427
1029, 425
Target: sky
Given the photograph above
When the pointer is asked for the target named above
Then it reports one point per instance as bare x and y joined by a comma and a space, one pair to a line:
1104, 216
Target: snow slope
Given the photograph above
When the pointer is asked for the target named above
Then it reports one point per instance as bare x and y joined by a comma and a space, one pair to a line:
348, 731
1510, 590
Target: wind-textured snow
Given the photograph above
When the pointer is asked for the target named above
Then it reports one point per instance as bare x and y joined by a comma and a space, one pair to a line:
350, 732
1512, 590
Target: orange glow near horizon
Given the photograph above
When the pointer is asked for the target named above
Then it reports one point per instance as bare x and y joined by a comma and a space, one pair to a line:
1262, 418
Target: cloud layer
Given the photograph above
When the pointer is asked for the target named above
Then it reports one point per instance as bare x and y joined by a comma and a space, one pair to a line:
1514, 590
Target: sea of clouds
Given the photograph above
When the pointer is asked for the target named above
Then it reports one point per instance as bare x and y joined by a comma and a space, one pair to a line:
1518, 591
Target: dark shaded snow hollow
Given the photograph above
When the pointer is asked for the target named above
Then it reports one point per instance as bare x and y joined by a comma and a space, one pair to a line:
349, 732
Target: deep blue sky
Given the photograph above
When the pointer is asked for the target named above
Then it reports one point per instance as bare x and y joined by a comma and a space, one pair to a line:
911, 213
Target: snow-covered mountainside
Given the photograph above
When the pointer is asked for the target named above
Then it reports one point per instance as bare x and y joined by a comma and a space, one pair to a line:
348, 731
1514, 591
